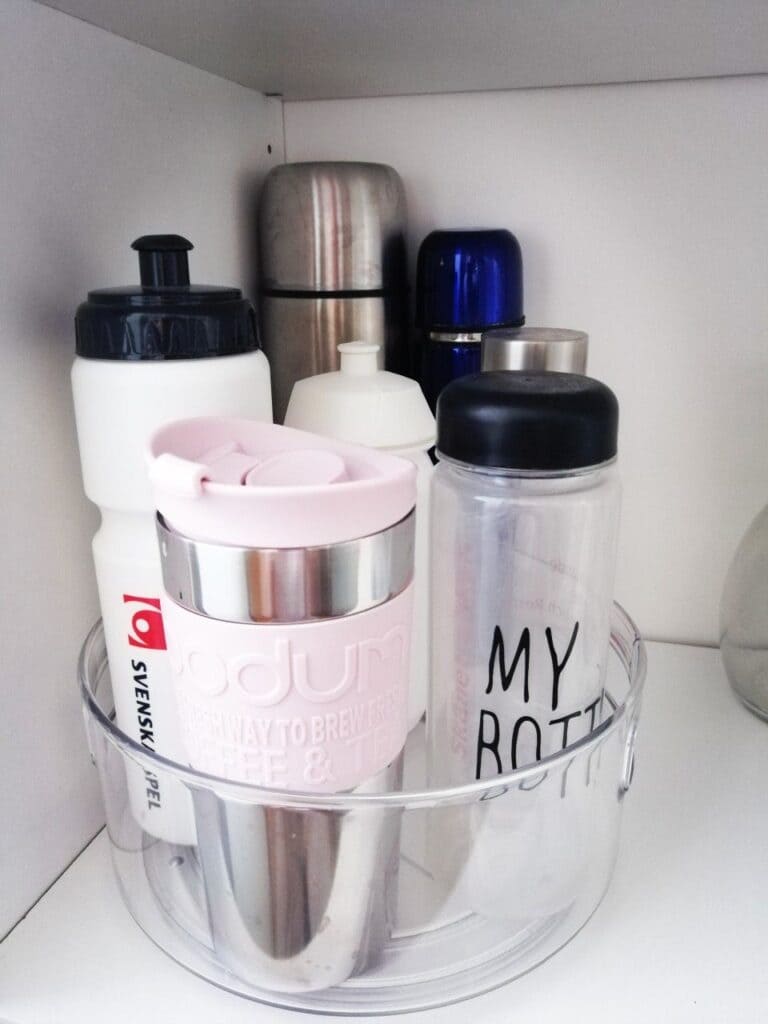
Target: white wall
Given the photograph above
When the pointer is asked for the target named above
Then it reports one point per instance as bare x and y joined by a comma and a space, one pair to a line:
642, 211
102, 141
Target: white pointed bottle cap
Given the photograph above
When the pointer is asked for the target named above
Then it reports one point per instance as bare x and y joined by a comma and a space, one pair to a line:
363, 404
359, 358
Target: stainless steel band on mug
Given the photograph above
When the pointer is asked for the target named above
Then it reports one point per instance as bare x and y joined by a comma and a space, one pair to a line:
281, 585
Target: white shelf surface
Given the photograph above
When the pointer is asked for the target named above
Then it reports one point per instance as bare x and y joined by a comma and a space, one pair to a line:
329, 49
680, 936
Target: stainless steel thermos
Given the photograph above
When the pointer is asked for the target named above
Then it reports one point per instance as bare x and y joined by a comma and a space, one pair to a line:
333, 268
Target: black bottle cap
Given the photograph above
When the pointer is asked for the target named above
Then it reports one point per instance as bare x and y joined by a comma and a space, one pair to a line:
165, 317
163, 260
513, 419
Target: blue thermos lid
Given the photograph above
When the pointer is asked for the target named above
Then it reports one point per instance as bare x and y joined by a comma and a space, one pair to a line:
469, 281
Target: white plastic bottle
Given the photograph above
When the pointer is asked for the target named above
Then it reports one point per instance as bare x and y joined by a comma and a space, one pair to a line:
145, 355
365, 405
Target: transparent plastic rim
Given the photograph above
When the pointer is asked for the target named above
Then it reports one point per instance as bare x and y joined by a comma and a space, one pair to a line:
528, 474
626, 643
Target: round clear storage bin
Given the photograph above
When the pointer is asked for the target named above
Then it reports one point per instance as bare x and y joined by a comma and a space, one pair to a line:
374, 902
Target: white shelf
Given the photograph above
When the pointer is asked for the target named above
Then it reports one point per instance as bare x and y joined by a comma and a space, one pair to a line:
342, 48
680, 936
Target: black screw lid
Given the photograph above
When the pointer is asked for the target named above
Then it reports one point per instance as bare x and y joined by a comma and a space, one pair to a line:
511, 419
165, 317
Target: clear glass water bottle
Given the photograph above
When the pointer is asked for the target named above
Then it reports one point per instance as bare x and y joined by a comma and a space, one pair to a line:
744, 618
525, 512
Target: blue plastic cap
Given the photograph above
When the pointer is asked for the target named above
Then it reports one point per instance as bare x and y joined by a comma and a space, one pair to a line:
469, 281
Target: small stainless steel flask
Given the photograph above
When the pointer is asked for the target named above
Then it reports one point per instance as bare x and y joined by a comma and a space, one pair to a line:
333, 268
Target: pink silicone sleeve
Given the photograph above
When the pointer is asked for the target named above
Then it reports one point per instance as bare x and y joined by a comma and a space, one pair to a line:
319, 707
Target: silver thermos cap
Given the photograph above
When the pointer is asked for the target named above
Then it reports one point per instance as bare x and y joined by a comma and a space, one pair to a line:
332, 226
534, 348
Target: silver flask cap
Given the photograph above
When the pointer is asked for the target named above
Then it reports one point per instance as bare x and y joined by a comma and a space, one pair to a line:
332, 226
534, 348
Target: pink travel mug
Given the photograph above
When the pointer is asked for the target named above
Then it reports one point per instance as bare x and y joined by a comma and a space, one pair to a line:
287, 565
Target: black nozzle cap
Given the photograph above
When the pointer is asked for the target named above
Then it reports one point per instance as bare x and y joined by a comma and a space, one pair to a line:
165, 317
163, 261
513, 419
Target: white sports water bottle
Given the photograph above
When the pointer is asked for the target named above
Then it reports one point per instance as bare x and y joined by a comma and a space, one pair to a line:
146, 355
365, 405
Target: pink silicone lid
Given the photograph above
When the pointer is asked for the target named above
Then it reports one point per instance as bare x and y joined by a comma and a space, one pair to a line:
251, 484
